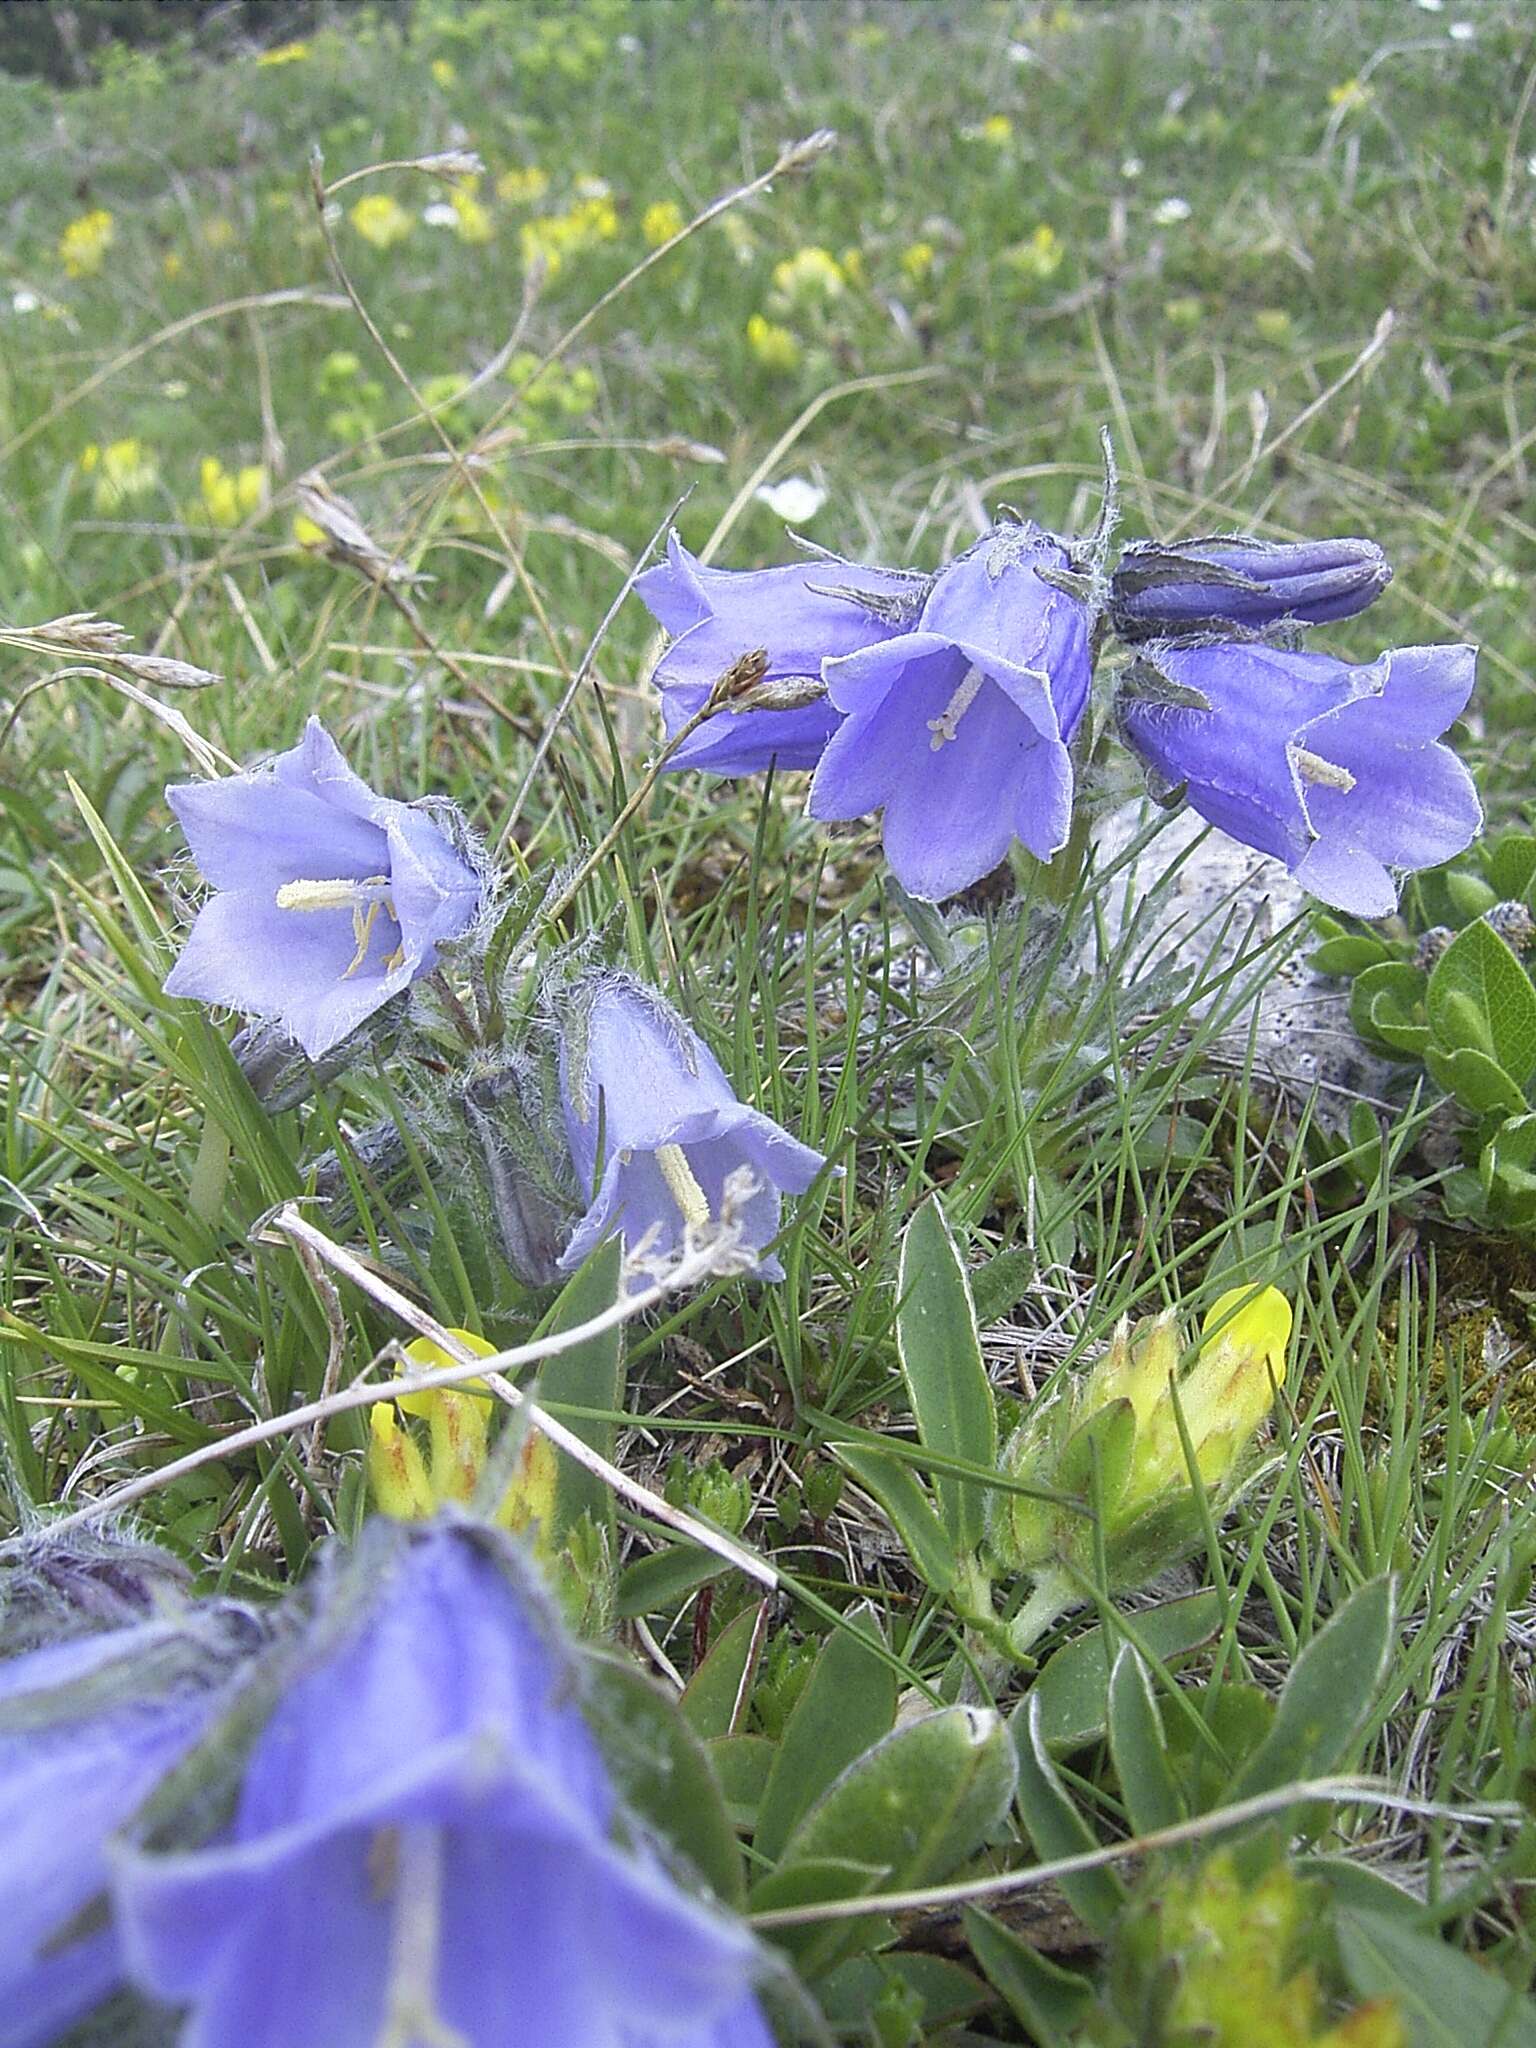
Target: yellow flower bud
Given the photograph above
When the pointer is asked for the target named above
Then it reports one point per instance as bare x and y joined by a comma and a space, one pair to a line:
530, 1499
423, 1352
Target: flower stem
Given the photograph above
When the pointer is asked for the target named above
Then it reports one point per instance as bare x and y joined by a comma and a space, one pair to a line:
1053, 1594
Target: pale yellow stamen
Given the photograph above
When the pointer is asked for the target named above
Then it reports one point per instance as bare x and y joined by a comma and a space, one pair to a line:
683, 1187
946, 726
358, 897
1312, 768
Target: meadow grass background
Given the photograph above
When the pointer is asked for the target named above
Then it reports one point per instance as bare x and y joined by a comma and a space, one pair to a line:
1187, 222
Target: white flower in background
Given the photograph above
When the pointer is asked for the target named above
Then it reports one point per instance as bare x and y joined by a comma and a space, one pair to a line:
1461, 31
24, 301
1171, 211
440, 215
795, 500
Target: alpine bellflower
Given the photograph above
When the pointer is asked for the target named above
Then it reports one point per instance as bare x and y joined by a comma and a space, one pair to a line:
1190, 585
656, 1130
959, 726
1336, 768
426, 1846
328, 900
89, 1725
790, 617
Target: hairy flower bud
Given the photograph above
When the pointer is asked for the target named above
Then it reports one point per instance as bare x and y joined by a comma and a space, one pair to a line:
1194, 585
1114, 1443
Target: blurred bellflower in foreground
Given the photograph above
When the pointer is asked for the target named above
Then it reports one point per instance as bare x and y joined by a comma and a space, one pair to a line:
328, 901
1338, 769
89, 1725
958, 727
1114, 1438
657, 1133
1192, 585
426, 1846
791, 617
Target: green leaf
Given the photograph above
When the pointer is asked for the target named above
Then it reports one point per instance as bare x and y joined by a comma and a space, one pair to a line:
742, 1764
1507, 1172
1136, 1745
1351, 954
1386, 1005
716, 1696
947, 1993
1511, 864
1003, 1282
921, 1802
665, 1576
902, 1495
1073, 1689
662, 1769
1478, 977
941, 1361
1447, 2000
1468, 895
1050, 2002
1478, 1083
591, 1375
1057, 1829
848, 1704
1328, 1697
811, 1884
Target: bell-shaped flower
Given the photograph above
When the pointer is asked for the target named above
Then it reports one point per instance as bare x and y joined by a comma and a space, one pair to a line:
656, 1130
1335, 768
959, 726
426, 1846
88, 1728
792, 616
328, 900
1201, 585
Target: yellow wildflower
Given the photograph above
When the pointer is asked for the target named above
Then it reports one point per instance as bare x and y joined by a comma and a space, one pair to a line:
1273, 324
594, 219
808, 275
661, 221
380, 219
775, 347
284, 53
852, 261
1351, 94
84, 243
230, 496
474, 224
996, 129
524, 185
219, 232
122, 470
306, 533
1038, 255
443, 72
171, 263
917, 260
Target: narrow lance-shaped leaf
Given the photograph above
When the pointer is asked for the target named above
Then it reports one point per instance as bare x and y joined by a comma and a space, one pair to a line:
941, 1360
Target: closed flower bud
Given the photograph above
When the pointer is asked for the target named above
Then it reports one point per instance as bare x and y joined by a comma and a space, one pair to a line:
397, 1472
1193, 585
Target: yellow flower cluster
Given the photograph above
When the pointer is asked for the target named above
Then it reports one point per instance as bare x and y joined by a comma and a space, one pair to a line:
120, 471
84, 243
810, 277
551, 237
380, 219
661, 221
775, 347
474, 223
523, 185
284, 53
1038, 255
230, 496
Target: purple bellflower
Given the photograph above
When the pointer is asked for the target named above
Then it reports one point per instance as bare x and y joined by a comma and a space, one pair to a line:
426, 1846
794, 615
1189, 585
88, 1728
1335, 768
959, 726
328, 900
655, 1129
